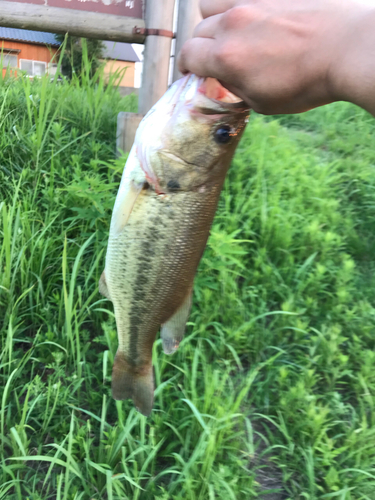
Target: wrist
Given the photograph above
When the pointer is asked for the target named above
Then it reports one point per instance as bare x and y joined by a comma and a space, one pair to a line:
352, 74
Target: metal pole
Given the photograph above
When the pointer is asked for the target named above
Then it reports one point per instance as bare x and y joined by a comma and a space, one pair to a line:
159, 15
189, 16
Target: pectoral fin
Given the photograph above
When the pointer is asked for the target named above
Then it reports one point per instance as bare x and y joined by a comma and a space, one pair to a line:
132, 182
125, 205
103, 289
172, 332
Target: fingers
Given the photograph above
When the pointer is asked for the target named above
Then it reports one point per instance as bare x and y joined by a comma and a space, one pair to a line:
208, 27
196, 57
214, 7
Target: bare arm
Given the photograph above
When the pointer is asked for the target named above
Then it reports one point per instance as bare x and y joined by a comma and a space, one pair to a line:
287, 56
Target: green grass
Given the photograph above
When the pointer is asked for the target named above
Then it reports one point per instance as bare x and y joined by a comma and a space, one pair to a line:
274, 384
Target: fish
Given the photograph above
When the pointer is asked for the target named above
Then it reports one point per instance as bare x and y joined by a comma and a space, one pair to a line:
160, 224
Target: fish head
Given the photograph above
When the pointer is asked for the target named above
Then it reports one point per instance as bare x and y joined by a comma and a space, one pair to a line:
188, 139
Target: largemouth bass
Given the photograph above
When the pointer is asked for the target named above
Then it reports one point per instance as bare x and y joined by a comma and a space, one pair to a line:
160, 223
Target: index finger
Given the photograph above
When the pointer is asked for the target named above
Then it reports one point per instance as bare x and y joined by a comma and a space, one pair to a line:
196, 57
212, 7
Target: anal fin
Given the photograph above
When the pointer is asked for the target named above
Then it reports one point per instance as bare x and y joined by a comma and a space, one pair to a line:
135, 382
173, 330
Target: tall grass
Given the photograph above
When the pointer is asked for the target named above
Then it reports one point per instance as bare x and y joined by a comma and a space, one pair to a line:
272, 390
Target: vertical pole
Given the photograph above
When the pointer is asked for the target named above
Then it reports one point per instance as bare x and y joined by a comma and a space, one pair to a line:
159, 15
157, 54
189, 16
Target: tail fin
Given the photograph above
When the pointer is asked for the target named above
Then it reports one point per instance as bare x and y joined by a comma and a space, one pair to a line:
133, 382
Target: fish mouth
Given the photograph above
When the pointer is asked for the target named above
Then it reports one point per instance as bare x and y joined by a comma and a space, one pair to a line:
206, 96
216, 92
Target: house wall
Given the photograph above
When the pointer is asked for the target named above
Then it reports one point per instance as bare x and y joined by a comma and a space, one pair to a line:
29, 51
34, 52
112, 66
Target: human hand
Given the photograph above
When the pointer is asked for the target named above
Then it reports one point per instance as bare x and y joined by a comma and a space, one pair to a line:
286, 56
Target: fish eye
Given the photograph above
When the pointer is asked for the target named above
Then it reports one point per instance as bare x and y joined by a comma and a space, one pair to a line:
223, 134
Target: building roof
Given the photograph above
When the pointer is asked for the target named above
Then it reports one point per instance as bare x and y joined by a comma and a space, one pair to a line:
120, 52
38, 37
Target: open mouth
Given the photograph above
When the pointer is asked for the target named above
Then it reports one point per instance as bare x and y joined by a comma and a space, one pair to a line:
213, 101
213, 89
191, 86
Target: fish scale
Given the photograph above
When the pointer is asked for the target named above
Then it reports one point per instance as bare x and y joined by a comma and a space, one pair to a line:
170, 268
